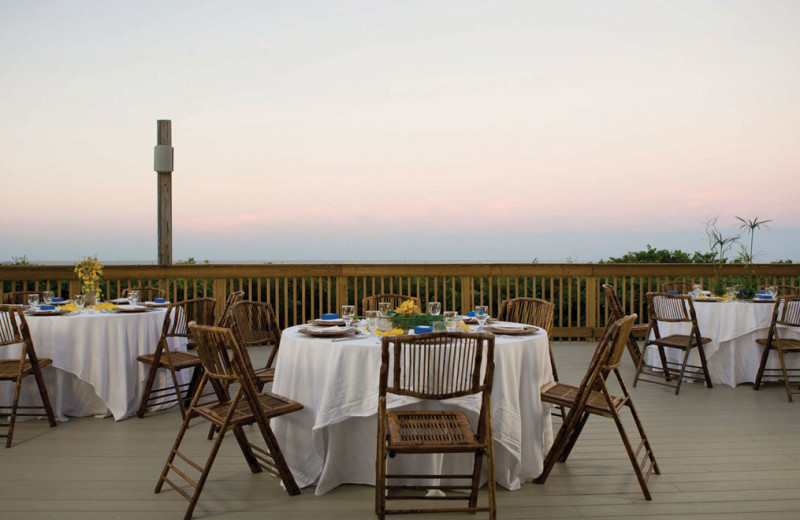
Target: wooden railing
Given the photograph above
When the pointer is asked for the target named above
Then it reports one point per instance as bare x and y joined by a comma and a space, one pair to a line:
300, 292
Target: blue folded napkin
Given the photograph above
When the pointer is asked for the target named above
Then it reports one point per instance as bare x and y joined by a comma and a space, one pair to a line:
471, 314
761, 292
47, 307
422, 329
57, 299
160, 300
330, 316
764, 297
672, 292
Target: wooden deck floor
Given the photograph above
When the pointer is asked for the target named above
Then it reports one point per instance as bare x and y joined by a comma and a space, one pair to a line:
726, 453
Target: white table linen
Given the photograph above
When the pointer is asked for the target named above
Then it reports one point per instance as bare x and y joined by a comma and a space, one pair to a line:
94, 370
332, 441
732, 354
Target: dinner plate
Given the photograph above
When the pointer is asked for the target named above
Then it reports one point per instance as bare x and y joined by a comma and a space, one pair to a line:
327, 332
327, 323
759, 300
469, 320
62, 302
54, 312
121, 301
706, 299
154, 304
512, 330
132, 309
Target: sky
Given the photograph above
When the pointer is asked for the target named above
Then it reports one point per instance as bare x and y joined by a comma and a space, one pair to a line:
384, 131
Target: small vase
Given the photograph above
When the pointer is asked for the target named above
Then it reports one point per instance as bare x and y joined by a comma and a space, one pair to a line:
91, 298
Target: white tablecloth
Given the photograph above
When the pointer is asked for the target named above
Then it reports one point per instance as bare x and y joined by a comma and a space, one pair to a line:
733, 355
332, 441
94, 370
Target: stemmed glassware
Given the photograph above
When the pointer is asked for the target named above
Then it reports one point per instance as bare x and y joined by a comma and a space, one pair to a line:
384, 308
133, 297
33, 301
348, 314
434, 308
481, 314
48, 297
79, 300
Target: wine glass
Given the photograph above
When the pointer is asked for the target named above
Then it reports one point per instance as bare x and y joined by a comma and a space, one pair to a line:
481, 314
33, 301
384, 308
79, 300
373, 320
348, 313
48, 297
133, 297
434, 308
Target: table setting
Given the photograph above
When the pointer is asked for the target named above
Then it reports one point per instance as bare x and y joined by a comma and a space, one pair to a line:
332, 440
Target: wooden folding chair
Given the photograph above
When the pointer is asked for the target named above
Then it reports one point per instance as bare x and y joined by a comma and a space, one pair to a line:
435, 366
532, 311
679, 286
21, 297
593, 397
674, 308
616, 312
226, 319
370, 303
248, 406
199, 310
255, 324
146, 294
786, 313
14, 331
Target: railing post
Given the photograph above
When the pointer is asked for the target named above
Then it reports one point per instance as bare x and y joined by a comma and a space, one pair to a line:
342, 294
74, 287
220, 293
592, 303
467, 296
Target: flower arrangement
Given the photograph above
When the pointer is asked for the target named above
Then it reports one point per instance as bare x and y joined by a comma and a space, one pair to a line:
408, 308
90, 274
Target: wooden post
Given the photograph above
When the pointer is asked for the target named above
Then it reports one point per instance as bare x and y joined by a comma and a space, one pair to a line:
164, 168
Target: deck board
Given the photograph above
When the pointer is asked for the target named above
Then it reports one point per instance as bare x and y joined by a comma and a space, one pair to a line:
724, 453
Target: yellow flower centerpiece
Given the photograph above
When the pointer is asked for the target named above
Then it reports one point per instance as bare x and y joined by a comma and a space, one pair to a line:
90, 274
408, 315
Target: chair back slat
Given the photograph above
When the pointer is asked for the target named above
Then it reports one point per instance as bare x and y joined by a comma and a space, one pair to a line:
255, 323
615, 310
531, 311
213, 344
670, 307
619, 341
606, 356
9, 328
437, 366
790, 315
180, 314
225, 318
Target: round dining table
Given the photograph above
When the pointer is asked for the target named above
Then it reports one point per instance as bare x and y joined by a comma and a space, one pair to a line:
733, 356
333, 440
95, 371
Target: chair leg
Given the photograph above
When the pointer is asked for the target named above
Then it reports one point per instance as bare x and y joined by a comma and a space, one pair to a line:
172, 453
148, 387
631, 455
51, 417
704, 364
559, 443
244, 445
576, 432
785, 374
682, 370
12, 419
490, 484
277, 456
633, 350
664, 365
174, 375
761, 367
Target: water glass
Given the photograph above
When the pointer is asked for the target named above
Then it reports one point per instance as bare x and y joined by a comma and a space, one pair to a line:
373, 320
696, 288
79, 300
48, 297
348, 313
33, 301
451, 314
434, 308
451, 322
133, 297
481, 314
384, 308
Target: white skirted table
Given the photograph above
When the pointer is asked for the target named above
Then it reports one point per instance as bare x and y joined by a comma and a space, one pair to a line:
332, 441
94, 370
733, 355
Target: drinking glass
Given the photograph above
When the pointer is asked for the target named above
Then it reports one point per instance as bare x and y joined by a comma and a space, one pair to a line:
772, 291
451, 322
450, 314
730, 293
384, 308
348, 313
48, 297
434, 308
481, 314
133, 297
696, 288
79, 300
373, 320
33, 301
